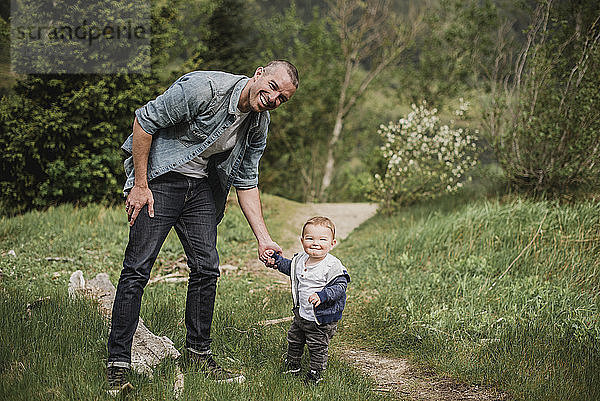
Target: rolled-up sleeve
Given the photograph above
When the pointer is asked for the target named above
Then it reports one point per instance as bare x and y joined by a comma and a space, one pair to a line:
334, 291
186, 98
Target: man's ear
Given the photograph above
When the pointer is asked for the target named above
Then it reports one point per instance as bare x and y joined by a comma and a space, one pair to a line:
259, 71
333, 243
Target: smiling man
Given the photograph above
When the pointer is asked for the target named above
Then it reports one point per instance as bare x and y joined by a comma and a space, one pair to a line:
189, 146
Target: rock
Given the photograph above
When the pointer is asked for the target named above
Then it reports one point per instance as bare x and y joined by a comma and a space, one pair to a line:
148, 349
76, 283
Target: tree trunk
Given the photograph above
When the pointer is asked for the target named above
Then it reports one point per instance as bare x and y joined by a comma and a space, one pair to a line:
329, 165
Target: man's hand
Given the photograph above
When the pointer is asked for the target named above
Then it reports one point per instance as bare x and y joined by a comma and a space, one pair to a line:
315, 300
137, 198
267, 258
266, 251
140, 194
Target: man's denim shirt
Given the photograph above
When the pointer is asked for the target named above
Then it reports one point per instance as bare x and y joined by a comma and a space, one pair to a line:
189, 117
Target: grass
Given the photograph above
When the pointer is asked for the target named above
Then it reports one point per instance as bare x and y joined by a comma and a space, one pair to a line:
426, 285
54, 348
422, 286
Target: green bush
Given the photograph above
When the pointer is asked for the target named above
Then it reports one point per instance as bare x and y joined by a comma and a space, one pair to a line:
60, 133
61, 138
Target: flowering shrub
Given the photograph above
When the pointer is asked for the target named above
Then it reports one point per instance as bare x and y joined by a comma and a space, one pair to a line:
423, 158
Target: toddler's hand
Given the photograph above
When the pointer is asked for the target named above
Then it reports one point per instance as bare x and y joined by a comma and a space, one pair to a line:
315, 300
267, 258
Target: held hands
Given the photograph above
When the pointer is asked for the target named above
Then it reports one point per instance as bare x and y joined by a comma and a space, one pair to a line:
315, 300
266, 252
137, 198
267, 257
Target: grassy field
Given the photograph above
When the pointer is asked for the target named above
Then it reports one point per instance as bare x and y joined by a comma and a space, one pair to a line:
425, 284
54, 348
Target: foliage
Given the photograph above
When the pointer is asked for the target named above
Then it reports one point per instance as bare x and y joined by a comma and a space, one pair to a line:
453, 51
35, 178
292, 165
450, 56
60, 136
6, 77
61, 133
423, 158
228, 43
542, 118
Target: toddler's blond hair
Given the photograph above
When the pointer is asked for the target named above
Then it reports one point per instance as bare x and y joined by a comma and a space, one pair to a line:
320, 221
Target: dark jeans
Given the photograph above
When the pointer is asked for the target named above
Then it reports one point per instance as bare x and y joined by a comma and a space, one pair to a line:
315, 336
187, 204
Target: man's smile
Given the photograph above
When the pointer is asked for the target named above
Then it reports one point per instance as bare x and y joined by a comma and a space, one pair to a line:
264, 101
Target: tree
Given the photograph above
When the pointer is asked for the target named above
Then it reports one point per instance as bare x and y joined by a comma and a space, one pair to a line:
292, 164
372, 37
542, 119
452, 51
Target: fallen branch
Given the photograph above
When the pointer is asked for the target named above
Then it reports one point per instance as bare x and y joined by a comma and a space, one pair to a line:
520, 254
180, 277
275, 321
59, 259
169, 278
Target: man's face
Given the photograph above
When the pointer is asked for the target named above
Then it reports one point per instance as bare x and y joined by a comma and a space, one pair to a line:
269, 89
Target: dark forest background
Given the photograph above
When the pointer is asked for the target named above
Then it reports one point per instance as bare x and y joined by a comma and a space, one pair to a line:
60, 133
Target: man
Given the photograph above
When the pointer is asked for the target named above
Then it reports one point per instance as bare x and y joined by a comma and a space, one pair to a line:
203, 135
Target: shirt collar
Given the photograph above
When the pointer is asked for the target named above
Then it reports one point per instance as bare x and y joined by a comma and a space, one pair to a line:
235, 96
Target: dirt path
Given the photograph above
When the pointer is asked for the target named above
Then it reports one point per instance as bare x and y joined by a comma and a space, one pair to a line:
394, 376
397, 377
346, 216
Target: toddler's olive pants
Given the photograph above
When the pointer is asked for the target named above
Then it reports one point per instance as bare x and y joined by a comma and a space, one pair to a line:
315, 336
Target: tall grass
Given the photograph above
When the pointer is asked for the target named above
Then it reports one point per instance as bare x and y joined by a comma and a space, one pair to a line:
426, 283
54, 348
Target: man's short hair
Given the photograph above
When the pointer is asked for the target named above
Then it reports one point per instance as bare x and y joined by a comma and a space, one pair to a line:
289, 67
320, 221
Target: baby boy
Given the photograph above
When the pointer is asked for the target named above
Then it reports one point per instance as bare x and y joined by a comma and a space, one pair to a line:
318, 283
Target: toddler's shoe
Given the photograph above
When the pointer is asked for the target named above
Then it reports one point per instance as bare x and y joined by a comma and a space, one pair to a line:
313, 377
291, 368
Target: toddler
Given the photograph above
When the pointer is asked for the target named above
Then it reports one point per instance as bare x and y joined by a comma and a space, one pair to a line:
318, 283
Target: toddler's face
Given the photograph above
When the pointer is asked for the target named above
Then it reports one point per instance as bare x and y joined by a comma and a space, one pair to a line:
317, 241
